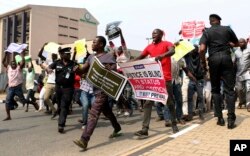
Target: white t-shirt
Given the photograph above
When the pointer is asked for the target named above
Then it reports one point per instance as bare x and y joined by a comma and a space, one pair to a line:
51, 76
30, 77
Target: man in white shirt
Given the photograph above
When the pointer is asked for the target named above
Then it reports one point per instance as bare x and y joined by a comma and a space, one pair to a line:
242, 86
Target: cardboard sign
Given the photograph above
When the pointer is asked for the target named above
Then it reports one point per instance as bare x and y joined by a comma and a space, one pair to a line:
146, 78
192, 29
112, 30
14, 47
110, 82
182, 49
80, 47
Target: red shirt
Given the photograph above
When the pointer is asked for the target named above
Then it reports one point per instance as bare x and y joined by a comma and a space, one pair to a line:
77, 81
154, 50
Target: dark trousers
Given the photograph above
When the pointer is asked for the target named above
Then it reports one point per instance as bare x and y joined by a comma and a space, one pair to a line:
221, 68
12, 91
64, 97
30, 98
178, 100
100, 105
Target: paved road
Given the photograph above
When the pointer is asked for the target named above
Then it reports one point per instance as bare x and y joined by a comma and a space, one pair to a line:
33, 133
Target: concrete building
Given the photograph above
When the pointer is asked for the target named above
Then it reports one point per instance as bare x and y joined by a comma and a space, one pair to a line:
37, 24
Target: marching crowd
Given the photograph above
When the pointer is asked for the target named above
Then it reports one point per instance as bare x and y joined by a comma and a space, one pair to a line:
216, 81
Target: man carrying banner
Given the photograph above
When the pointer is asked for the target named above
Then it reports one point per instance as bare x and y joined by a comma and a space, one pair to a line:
100, 104
162, 50
218, 40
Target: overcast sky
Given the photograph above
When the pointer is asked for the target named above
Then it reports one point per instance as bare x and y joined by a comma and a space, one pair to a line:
140, 17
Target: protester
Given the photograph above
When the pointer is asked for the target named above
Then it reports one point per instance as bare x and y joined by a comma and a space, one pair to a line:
162, 50
100, 103
15, 80
218, 40
30, 87
122, 55
50, 85
242, 76
196, 83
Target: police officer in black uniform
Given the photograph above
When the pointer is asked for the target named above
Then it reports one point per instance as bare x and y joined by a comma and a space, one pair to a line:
65, 69
218, 40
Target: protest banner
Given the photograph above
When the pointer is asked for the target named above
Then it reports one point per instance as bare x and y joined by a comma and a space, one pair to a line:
146, 78
187, 29
182, 49
199, 27
80, 47
112, 30
14, 47
110, 82
192, 30
51, 47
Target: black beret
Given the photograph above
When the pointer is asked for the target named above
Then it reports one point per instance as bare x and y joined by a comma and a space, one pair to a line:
215, 16
65, 50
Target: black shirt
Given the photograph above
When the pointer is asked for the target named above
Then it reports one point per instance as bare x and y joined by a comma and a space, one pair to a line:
65, 75
193, 62
217, 38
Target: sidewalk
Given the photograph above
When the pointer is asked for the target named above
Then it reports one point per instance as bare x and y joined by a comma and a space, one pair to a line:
206, 139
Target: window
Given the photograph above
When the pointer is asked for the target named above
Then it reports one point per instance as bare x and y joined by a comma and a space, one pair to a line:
63, 17
63, 26
63, 35
73, 28
74, 20
73, 37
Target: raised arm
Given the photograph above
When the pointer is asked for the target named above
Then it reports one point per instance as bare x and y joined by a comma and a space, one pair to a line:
22, 63
124, 46
5, 60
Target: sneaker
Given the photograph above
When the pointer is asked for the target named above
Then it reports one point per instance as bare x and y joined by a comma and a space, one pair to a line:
126, 114
141, 134
81, 143
116, 133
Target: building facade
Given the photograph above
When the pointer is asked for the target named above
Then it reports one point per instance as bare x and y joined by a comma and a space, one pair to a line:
37, 24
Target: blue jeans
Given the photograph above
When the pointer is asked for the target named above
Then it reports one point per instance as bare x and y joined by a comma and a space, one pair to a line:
178, 100
162, 111
192, 88
12, 91
86, 99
